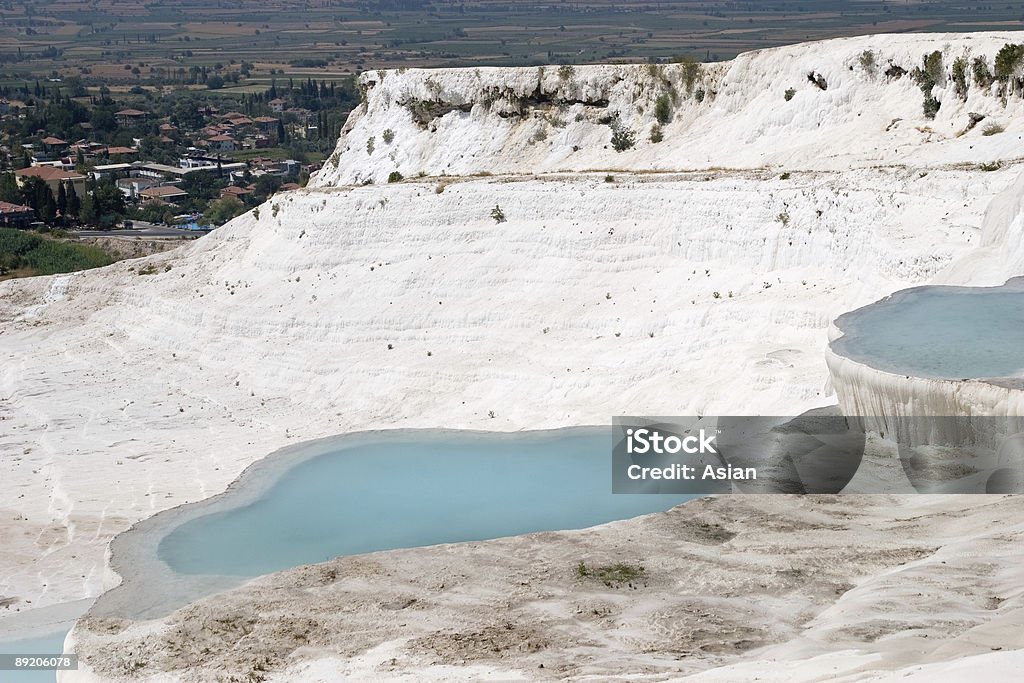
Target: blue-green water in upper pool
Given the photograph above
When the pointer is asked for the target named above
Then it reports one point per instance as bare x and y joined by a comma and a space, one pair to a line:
407, 491
940, 332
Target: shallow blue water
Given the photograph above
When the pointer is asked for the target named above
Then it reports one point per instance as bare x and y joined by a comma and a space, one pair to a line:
940, 332
51, 644
407, 492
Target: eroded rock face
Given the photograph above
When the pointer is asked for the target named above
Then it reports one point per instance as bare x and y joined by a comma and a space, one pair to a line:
788, 579
824, 105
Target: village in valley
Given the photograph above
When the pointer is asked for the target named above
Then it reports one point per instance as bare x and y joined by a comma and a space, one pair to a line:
71, 158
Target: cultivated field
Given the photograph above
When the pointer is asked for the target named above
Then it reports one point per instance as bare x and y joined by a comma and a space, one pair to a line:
296, 38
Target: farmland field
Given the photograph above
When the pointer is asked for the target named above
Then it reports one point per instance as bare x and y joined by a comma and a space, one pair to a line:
127, 42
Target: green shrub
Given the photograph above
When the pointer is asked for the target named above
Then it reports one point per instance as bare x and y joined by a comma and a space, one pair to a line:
960, 77
926, 76
656, 134
388, 136
497, 214
982, 76
692, 71
933, 65
623, 139
789, 94
370, 145
37, 255
663, 109
395, 177
1008, 59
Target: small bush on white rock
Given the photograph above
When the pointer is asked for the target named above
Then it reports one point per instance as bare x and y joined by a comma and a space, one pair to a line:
622, 138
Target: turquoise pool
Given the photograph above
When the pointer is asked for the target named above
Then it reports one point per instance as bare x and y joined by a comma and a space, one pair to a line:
940, 332
409, 489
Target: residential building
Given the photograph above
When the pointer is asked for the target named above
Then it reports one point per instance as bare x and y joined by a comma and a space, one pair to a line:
162, 194
16, 215
221, 143
129, 117
235, 191
132, 188
53, 177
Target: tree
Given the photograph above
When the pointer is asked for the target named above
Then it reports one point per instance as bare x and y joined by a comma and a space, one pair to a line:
9, 191
36, 193
87, 211
223, 210
62, 202
109, 203
74, 203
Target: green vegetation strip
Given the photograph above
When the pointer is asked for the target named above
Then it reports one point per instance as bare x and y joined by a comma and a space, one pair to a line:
26, 253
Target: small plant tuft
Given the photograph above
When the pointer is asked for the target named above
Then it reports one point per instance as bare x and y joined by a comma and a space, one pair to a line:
497, 214
789, 94
388, 136
867, 62
623, 139
612, 575
395, 177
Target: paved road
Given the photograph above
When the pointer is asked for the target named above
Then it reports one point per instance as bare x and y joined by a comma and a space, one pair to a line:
141, 229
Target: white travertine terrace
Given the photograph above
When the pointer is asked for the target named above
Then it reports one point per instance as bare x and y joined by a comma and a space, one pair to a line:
705, 287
